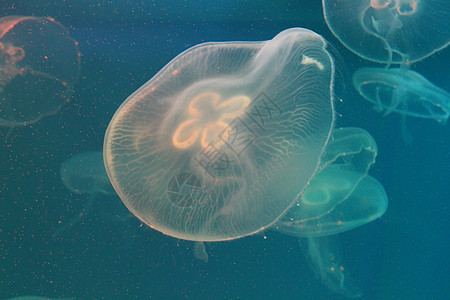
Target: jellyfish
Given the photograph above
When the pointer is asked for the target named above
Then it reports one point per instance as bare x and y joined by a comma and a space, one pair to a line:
39, 64
320, 244
402, 91
342, 196
219, 143
83, 174
390, 31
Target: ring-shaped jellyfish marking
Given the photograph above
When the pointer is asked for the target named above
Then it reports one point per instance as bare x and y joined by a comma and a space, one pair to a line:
39, 64
402, 91
342, 196
390, 31
220, 142
84, 174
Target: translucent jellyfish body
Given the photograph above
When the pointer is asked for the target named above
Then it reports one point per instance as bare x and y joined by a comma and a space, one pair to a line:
39, 64
220, 142
342, 196
402, 91
84, 174
390, 31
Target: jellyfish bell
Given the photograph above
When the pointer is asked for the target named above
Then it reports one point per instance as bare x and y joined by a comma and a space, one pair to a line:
42, 45
366, 203
84, 174
342, 196
318, 236
221, 141
39, 64
390, 31
402, 91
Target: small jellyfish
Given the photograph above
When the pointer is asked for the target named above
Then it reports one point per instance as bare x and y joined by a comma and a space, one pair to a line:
390, 31
83, 174
342, 196
39, 64
402, 91
219, 143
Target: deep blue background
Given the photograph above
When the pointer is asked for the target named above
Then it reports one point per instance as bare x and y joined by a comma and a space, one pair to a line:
404, 255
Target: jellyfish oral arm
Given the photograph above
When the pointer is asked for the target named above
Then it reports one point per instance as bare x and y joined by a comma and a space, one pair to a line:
396, 99
325, 258
378, 105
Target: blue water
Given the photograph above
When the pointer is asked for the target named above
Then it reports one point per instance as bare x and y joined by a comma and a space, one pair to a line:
111, 255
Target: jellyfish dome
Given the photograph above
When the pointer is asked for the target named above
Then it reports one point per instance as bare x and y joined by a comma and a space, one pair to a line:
219, 143
85, 173
39, 64
390, 31
402, 91
342, 196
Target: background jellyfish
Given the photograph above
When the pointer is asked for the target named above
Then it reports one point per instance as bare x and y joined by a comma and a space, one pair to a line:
39, 64
394, 32
402, 91
221, 141
390, 31
339, 198
83, 174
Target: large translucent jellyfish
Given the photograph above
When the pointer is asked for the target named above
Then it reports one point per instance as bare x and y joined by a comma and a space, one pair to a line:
402, 91
339, 198
390, 31
39, 64
219, 143
84, 174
